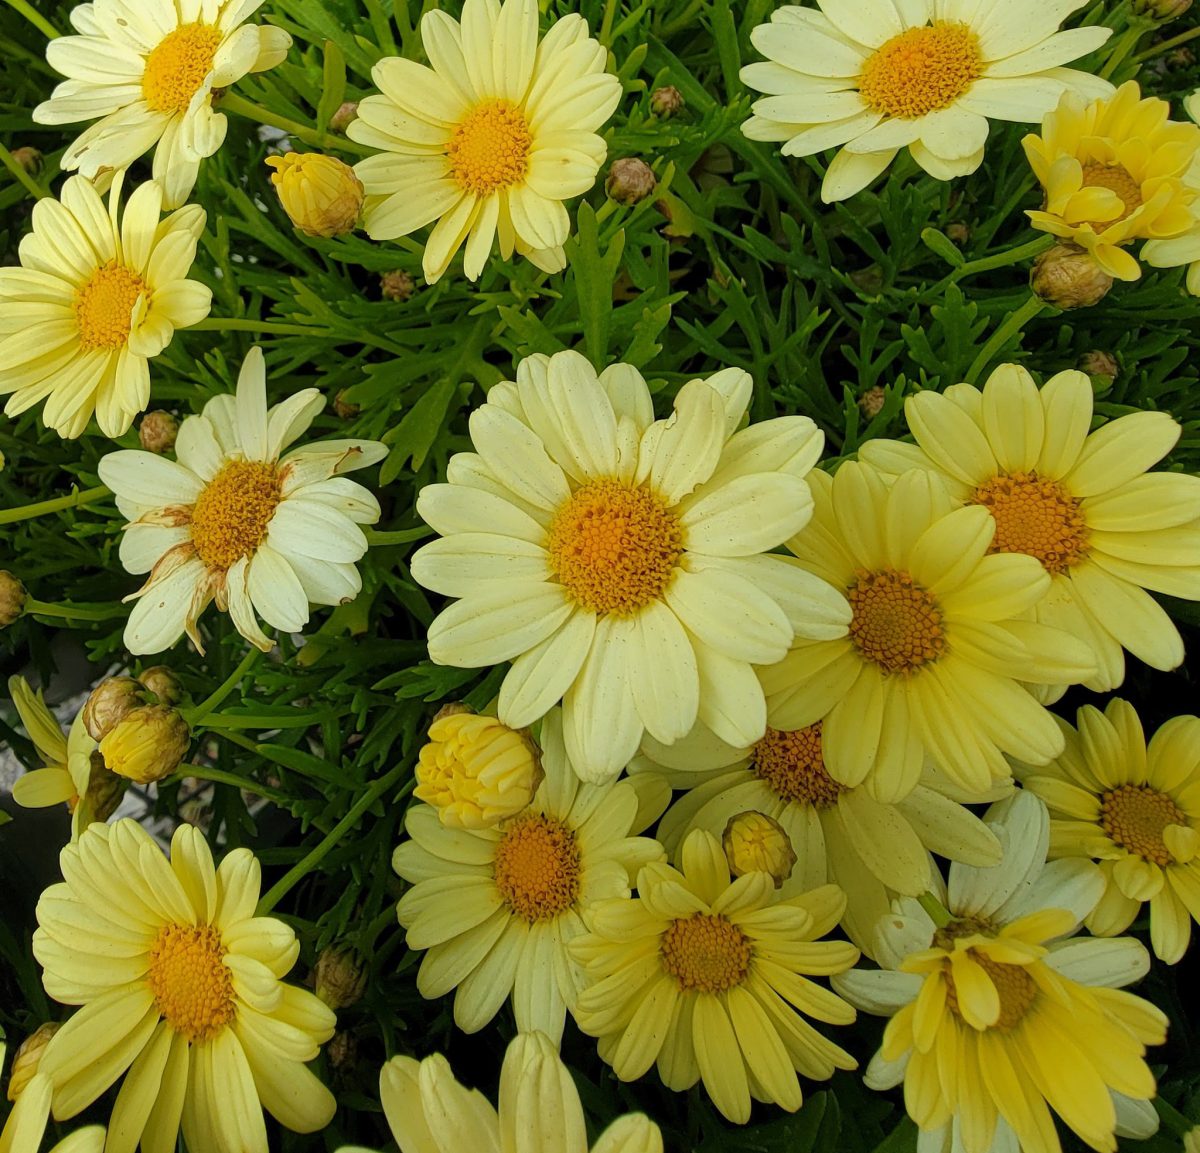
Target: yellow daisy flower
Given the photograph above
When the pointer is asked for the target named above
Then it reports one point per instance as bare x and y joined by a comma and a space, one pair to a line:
875, 76
145, 71
840, 834
1134, 808
1082, 503
93, 301
181, 991
938, 640
610, 556
707, 977
26, 1124
497, 907
429, 1111
997, 1016
490, 140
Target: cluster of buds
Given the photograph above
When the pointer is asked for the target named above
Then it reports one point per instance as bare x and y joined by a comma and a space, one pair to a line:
321, 194
138, 740
754, 842
1161, 9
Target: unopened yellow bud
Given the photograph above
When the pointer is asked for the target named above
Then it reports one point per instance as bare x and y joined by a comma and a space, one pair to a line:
476, 771
12, 598
630, 180
163, 683
346, 115
667, 101
754, 842
872, 401
341, 977
320, 194
110, 702
150, 742
1067, 277
30, 159
1099, 363
28, 1057
397, 285
158, 431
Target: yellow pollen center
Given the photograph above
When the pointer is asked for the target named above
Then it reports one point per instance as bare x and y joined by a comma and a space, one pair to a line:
104, 307
921, 70
614, 548
1116, 178
705, 952
177, 66
896, 623
536, 867
489, 149
191, 984
1134, 816
1014, 985
792, 765
233, 512
1036, 517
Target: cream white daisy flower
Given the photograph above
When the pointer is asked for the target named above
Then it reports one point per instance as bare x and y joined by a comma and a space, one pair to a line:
145, 71
96, 297
620, 561
235, 521
875, 76
490, 140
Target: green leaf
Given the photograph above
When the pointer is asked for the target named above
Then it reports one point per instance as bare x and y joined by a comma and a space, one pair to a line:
594, 268
333, 91
940, 243
413, 437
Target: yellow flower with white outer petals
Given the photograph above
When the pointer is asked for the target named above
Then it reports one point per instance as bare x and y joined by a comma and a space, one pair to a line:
998, 1016
96, 297
938, 640
495, 908
1116, 171
491, 140
1134, 808
146, 71
875, 76
429, 1111
1083, 504
181, 990
26, 1124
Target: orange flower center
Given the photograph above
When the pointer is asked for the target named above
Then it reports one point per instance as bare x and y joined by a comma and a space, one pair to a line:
233, 512
792, 765
921, 70
191, 984
489, 149
177, 66
705, 952
1116, 178
536, 867
895, 622
1036, 517
1016, 989
1134, 816
104, 307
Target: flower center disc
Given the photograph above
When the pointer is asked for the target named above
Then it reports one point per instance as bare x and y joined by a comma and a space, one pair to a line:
1135, 817
921, 70
177, 66
192, 985
104, 307
614, 548
1116, 178
792, 765
1014, 985
490, 148
896, 623
705, 952
1036, 517
233, 512
537, 867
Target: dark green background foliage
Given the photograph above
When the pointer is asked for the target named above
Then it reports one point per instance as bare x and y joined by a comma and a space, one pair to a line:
734, 262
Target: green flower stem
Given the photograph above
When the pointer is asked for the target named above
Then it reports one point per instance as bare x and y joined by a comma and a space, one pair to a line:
58, 504
1124, 46
1172, 1120
35, 18
935, 909
240, 106
610, 12
305, 866
23, 177
220, 777
69, 612
1014, 324
1002, 259
1167, 45
245, 324
195, 716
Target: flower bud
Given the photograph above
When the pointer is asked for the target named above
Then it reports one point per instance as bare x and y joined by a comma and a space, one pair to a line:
30, 159
158, 431
12, 598
476, 771
105, 790
666, 101
958, 231
1102, 364
871, 402
163, 683
344, 408
28, 1057
346, 114
1067, 277
150, 742
630, 180
397, 285
110, 702
341, 977
755, 842
320, 194
1161, 9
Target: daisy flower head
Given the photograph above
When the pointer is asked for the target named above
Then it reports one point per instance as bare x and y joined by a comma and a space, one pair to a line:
620, 561
233, 519
98, 294
998, 1016
1083, 504
145, 71
1134, 808
938, 641
839, 833
707, 977
180, 987
488, 141
495, 908
875, 76
26, 1124
1116, 171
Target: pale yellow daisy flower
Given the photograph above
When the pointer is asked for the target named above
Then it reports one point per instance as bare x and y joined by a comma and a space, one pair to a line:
26, 1124
1135, 809
98, 294
1083, 504
875, 76
490, 140
999, 1017
496, 908
620, 562
233, 519
145, 71
181, 991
